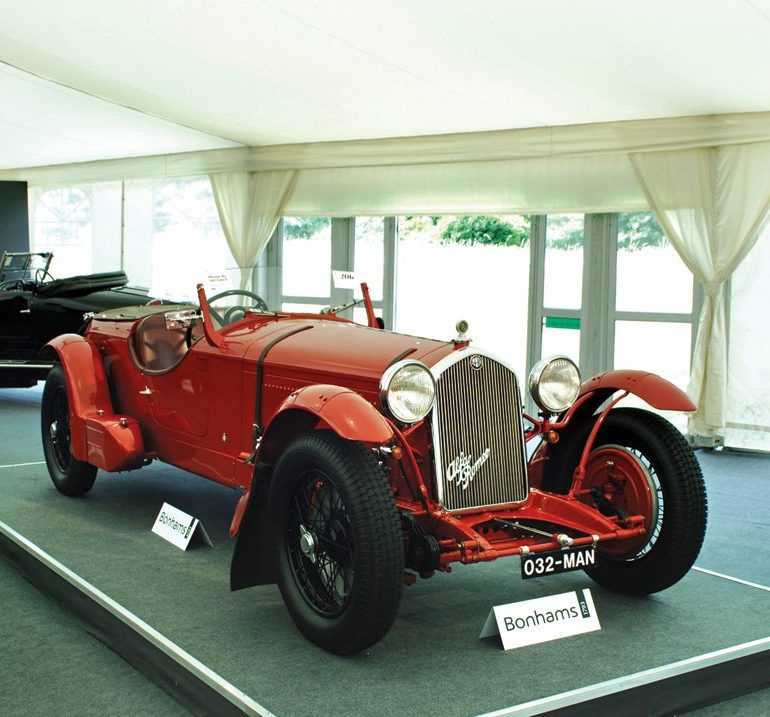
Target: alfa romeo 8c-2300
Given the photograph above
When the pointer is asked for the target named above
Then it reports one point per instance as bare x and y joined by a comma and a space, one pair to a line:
368, 458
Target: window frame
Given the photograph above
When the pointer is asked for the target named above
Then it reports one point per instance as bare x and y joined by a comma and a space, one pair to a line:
597, 326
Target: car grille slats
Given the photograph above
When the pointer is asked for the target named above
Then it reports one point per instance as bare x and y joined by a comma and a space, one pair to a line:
478, 435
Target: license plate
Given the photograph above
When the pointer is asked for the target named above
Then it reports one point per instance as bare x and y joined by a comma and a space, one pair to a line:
538, 565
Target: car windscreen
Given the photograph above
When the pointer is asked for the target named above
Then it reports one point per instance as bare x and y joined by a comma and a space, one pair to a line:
22, 266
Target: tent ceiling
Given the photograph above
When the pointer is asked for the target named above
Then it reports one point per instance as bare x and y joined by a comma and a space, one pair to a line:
180, 75
44, 123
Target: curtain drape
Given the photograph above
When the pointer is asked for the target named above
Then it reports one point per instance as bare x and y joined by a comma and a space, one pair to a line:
712, 204
748, 380
250, 205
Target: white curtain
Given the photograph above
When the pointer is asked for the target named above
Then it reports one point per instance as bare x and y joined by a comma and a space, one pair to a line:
712, 204
250, 205
748, 382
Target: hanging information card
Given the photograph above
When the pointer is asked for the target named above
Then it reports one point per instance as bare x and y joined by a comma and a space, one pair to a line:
344, 279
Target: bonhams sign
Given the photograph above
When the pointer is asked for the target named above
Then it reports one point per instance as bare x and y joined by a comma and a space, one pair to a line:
543, 619
179, 527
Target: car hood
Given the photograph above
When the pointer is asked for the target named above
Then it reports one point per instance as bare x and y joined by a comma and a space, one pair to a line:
340, 353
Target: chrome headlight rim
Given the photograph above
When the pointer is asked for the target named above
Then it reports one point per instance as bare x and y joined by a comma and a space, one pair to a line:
385, 390
535, 377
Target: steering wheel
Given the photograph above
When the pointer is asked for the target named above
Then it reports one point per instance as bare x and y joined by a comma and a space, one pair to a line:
40, 276
237, 312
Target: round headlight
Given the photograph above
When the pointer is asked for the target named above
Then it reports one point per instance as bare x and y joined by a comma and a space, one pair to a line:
407, 391
554, 384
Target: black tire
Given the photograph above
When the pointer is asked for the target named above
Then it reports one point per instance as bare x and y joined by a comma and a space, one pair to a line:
70, 476
338, 542
676, 536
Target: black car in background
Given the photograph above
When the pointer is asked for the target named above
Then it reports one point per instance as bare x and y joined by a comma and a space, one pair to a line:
35, 307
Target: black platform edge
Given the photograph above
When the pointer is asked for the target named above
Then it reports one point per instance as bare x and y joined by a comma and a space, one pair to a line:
670, 689
178, 673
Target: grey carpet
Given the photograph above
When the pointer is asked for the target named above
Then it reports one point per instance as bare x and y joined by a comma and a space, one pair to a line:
431, 662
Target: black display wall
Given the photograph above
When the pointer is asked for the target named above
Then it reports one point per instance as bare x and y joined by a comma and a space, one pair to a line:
14, 219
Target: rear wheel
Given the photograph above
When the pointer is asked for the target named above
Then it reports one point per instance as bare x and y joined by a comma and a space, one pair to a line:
640, 465
340, 553
70, 476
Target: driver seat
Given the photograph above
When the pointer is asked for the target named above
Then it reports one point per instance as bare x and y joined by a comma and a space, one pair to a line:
158, 348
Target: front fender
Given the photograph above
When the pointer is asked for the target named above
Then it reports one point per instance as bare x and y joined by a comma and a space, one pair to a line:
574, 424
98, 436
650, 387
654, 389
346, 412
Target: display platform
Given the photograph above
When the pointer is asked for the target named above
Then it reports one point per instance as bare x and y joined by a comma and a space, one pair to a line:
88, 677
702, 640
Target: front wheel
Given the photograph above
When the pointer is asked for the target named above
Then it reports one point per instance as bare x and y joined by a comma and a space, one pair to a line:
641, 465
340, 555
70, 476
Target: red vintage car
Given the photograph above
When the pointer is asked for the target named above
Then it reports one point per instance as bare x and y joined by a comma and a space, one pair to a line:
366, 458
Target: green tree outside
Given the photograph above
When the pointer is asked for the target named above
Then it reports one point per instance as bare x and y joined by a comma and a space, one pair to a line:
303, 227
485, 230
636, 230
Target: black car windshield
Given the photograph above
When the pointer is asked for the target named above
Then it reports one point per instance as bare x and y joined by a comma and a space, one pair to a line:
18, 266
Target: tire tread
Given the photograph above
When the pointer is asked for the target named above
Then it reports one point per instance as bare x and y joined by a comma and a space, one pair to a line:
378, 545
80, 477
685, 510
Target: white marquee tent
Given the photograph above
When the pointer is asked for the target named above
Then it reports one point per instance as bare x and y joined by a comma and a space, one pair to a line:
351, 108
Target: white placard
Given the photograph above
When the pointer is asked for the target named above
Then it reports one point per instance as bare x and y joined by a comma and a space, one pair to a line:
216, 283
344, 279
542, 619
179, 527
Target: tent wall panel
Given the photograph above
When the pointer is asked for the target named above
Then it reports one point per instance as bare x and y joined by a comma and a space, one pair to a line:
14, 217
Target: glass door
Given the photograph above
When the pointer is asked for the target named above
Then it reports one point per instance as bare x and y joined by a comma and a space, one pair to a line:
562, 285
654, 304
609, 291
556, 287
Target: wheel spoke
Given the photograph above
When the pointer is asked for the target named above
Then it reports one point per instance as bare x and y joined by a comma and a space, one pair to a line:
327, 542
326, 575
60, 430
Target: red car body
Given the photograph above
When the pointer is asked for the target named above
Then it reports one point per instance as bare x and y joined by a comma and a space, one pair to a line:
226, 402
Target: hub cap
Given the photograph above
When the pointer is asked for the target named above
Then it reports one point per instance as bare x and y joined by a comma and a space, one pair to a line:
629, 482
307, 544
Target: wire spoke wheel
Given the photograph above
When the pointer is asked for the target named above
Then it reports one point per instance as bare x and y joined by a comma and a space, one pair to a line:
59, 430
319, 542
70, 476
338, 542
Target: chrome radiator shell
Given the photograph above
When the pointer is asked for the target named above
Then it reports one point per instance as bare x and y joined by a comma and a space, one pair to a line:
478, 436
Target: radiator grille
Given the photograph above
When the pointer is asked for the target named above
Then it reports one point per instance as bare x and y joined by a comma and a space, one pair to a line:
477, 434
